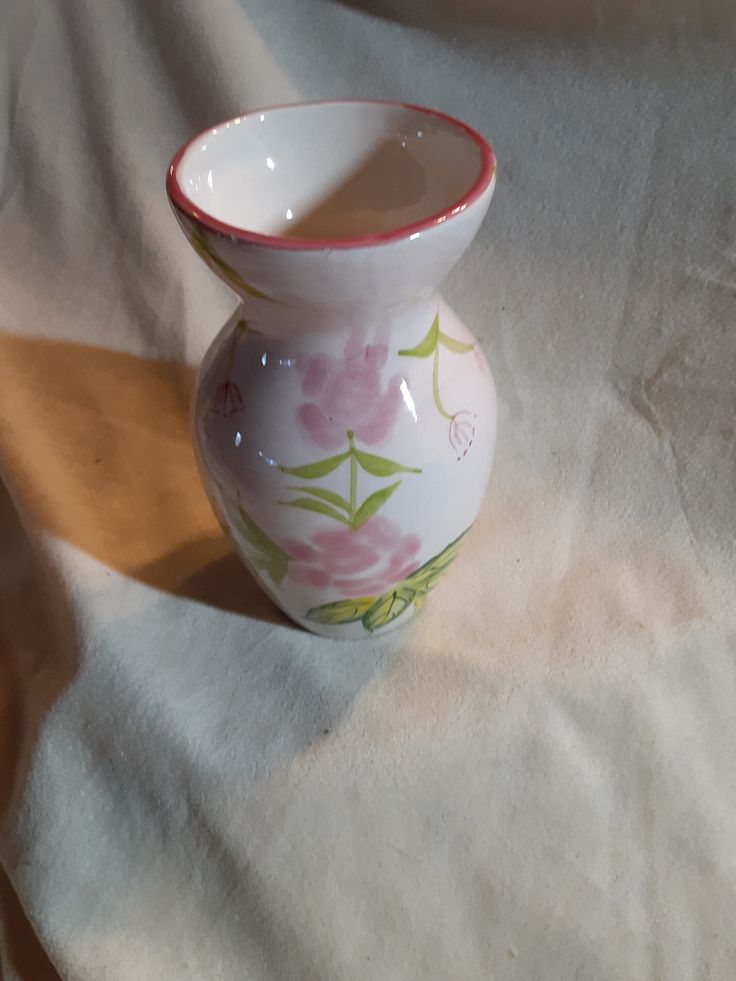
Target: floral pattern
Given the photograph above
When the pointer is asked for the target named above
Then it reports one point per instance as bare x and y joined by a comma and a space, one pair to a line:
368, 560
462, 423
347, 393
334, 505
377, 611
263, 555
228, 400
209, 254
462, 432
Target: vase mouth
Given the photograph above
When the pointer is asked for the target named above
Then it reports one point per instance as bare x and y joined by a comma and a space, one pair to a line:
338, 174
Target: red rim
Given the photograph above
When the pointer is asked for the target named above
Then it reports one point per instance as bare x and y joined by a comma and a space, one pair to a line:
187, 207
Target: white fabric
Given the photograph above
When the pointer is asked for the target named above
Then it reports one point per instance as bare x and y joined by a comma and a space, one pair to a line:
536, 780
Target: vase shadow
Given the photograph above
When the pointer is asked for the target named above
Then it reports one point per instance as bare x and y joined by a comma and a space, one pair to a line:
96, 454
571, 19
33, 620
25, 955
38, 660
99, 448
208, 571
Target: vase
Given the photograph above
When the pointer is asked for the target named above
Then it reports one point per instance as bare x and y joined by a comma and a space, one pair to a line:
344, 419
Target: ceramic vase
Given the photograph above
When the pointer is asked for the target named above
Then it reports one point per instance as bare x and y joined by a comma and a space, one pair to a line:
344, 419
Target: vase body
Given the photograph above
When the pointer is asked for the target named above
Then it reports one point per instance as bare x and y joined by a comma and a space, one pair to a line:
344, 421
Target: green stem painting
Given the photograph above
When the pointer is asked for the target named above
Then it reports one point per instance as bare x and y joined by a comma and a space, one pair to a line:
333, 505
429, 346
262, 554
205, 251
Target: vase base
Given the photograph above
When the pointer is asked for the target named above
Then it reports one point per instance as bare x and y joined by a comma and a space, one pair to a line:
353, 631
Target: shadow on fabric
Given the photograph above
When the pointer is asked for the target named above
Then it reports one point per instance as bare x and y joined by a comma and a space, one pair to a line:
556, 18
37, 661
97, 443
22, 953
34, 623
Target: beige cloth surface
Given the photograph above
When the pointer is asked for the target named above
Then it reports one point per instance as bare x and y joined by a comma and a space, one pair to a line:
536, 779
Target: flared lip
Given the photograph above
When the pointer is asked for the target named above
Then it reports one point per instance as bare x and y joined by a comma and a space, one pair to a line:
186, 206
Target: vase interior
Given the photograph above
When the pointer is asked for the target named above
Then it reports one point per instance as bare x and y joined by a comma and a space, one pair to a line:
325, 171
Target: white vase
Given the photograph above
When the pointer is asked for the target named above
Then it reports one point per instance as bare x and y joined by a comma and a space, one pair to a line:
344, 420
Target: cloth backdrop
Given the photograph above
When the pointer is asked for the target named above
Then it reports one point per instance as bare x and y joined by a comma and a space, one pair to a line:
536, 779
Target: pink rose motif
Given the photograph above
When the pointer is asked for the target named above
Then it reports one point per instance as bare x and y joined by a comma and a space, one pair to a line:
462, 432
347, 393
228, 400
365, 562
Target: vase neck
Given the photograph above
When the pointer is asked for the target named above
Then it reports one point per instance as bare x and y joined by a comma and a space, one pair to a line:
302, 288
282, 322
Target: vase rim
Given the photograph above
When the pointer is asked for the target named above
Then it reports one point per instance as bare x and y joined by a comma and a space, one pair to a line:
485, 179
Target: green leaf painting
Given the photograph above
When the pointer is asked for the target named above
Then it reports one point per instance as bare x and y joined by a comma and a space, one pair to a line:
372, 503
379, 466
203, 248
457, 347
428, 575
429, 346
343, 611
389, 606
318, 469
319, 507
377, 611
325, 495
428, 343
263, 555
322, 500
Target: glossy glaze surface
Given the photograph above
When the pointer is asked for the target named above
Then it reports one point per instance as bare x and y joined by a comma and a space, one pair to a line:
344, 419
332, 173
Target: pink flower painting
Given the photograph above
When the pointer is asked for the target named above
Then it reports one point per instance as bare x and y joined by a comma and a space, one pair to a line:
355, 563
348, 393
228, 399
